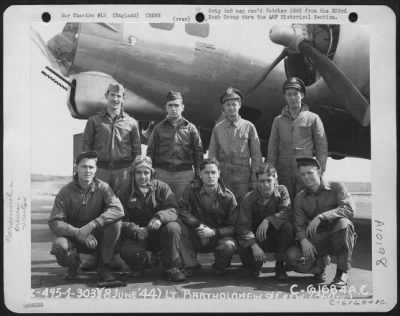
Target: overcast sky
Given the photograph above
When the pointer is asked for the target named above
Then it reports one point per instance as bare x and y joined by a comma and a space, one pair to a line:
52, 127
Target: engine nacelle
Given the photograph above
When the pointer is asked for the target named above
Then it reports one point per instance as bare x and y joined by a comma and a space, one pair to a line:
87, 97
87, 94
146, 128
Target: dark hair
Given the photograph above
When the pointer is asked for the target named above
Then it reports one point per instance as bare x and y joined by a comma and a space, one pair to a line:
266, 168
305, 163
209, 161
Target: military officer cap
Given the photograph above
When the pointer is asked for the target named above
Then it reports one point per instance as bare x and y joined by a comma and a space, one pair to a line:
86, 154
116, 87
307, 161
142, 161
294, 83
231, 94
174, 95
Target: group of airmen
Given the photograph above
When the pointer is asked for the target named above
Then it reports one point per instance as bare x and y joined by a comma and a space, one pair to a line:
173, 203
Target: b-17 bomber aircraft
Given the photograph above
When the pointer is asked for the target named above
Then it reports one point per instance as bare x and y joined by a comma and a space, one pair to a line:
201, 60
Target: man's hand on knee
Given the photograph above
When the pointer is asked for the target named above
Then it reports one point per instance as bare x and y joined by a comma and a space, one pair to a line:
308, 249
258, 253
154, 224
312, 227
91, 242
85, 231
261, 233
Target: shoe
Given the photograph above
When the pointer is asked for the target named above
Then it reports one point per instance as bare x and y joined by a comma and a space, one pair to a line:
106, 279
218, 270
155, 259
280, 272
92, 263
320, 277
255, 273
340, 280
105, 273
319, 268
175, 275
137, 273
71, 274
116, 262
190, 270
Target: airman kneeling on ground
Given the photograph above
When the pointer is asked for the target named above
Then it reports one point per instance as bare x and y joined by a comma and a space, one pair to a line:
150, 222
264, 222
207, 212
322, 219
86, 217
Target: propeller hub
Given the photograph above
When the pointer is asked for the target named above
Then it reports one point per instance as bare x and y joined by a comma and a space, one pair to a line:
289, 36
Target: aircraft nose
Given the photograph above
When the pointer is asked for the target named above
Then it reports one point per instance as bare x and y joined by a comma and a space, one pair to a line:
63, 47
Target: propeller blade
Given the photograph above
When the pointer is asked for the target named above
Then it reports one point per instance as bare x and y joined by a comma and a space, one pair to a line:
277, 60
38, 40
348, 94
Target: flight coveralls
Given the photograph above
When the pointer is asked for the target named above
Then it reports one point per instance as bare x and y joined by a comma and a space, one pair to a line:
335, 234
176, 152
117, 143
159, 202
217, 211
237, 147
291, 138
73, 208
254, 208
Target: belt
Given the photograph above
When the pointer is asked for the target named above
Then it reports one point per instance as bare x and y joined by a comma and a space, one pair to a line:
236, 161
170, 167
113, 165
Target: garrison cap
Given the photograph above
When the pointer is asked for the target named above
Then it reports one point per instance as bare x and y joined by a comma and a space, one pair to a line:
174, 95
86, 154
294, 83
231, 94
307, 161
142, 161
116, 87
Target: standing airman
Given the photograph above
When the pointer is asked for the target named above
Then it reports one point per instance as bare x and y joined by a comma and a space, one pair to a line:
295, 133
115, 136
175, 147
235, 144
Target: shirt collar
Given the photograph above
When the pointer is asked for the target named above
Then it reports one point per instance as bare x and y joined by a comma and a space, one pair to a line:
121, 113
93, 186
285, 110
182, 121
275, 194
324, 186
220, 190
235, 124
203, 190
135, 188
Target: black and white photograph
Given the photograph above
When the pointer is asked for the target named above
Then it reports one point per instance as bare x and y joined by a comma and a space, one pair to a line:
215, 158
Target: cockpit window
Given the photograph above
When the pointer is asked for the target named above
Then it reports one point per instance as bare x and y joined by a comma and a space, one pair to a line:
197, 29
163, 26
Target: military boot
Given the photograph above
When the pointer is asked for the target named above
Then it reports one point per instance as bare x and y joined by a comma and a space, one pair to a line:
174, 274
280, 271
92, 262
340, 280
